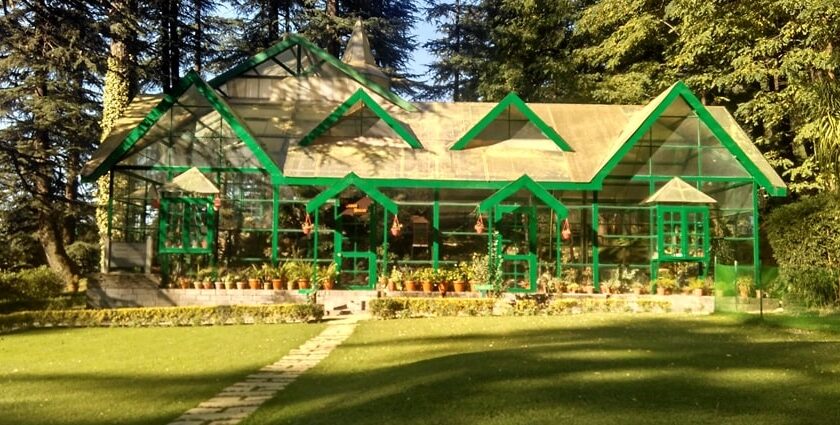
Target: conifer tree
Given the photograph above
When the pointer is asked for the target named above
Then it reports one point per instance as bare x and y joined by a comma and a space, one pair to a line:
49, 112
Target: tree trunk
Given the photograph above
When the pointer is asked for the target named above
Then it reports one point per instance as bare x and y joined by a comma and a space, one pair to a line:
49, 234
199, 34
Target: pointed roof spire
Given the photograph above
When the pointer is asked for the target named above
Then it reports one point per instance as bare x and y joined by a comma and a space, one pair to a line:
677, 191
357, 54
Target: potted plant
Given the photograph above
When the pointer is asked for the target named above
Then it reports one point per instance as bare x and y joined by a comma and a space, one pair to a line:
610, 286
459, 276
665, 285
410, 280
254, 274
204, 275
327, 276
588, 286
305, 272
637, 287
478, 272
744, 285
290, 271
240, 279
442, 277
573, 287
697, 287
395, 279
276, 277
229, 280
427, 277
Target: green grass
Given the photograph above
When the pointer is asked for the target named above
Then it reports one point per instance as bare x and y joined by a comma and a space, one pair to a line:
590, 369
130, 376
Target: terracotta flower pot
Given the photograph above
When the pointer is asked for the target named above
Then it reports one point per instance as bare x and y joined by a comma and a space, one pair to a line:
290, 285
240, 285
219, 286
197, 285
442, 287
392, 286
471, 285
207, 284
589, 289
698, 292
410, 286
303, 283
460, 286
184, 283
277, 284
427, 286
254, 283
637, 291
329, 284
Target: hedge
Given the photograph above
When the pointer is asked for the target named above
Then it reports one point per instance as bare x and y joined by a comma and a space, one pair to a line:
165, 316
805, 237
389, 308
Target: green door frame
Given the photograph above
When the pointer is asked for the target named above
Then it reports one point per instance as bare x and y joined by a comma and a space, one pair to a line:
685, 237
186, 246
531, 257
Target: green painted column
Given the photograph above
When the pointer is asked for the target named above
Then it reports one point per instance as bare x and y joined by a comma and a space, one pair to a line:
384, 241
315, 240
436, 229
558, 242
756, 240
596, 275
275, 218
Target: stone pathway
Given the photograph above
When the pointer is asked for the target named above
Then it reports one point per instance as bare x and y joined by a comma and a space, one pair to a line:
236, 402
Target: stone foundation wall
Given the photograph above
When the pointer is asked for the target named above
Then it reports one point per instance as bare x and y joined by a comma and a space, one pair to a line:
155, 297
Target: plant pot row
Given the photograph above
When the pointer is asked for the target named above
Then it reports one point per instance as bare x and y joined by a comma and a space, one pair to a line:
255, 284
429, 286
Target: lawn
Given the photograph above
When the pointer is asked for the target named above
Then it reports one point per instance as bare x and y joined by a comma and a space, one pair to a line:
130, 376
590, 369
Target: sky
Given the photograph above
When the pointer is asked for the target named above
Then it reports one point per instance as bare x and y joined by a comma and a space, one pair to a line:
424, 31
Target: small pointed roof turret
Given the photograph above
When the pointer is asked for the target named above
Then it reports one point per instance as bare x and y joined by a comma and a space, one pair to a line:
357, 54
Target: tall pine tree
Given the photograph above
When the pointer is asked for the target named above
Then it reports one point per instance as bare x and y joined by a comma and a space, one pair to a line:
49, 112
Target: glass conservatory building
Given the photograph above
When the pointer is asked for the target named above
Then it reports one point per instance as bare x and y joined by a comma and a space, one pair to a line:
295, 154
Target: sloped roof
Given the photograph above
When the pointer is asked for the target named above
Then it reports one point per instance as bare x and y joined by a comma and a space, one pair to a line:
677, 191
193, 181
276, 112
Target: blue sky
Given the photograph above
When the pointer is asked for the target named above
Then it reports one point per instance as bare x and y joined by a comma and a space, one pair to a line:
425, 31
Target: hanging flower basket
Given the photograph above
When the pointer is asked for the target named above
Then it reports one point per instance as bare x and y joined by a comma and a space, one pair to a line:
155, 203
566, 233
479, 225
307, 226
396, 227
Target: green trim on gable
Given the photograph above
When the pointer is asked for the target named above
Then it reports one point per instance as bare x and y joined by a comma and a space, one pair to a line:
511, 100
351, 179
169, 100
360, 96
524, 182
296, 40
681, 90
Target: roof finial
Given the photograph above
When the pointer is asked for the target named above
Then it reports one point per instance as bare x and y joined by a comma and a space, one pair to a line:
357, 54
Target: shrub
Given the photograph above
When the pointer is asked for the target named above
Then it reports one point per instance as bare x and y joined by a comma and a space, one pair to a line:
39, 283
805, 237
85, 255
166, 316
388, 308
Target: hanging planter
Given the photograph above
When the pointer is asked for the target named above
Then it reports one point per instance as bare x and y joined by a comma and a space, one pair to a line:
566, 233
479, 225
307, 226
396, 227
155, 203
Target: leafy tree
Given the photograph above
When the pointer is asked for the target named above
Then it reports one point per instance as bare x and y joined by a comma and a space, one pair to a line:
49, 112
460, 50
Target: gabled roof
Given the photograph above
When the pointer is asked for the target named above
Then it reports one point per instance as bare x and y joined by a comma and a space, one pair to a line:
677, 191
292, 40
358, 55
193, 181
530, 185
512, 100
349, 180
361, 99
108, 155
643, 120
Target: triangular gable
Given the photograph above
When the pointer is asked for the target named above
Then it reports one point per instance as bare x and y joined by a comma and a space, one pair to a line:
293, 40
512, 100
644, 120
528, 183
193, 181
225, 111
677, 191
351, 179
361, 98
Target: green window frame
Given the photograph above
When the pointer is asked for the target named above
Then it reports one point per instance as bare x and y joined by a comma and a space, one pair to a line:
682, 233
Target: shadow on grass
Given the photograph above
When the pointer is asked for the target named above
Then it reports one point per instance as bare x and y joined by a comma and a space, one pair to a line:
170, 395
628, 370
